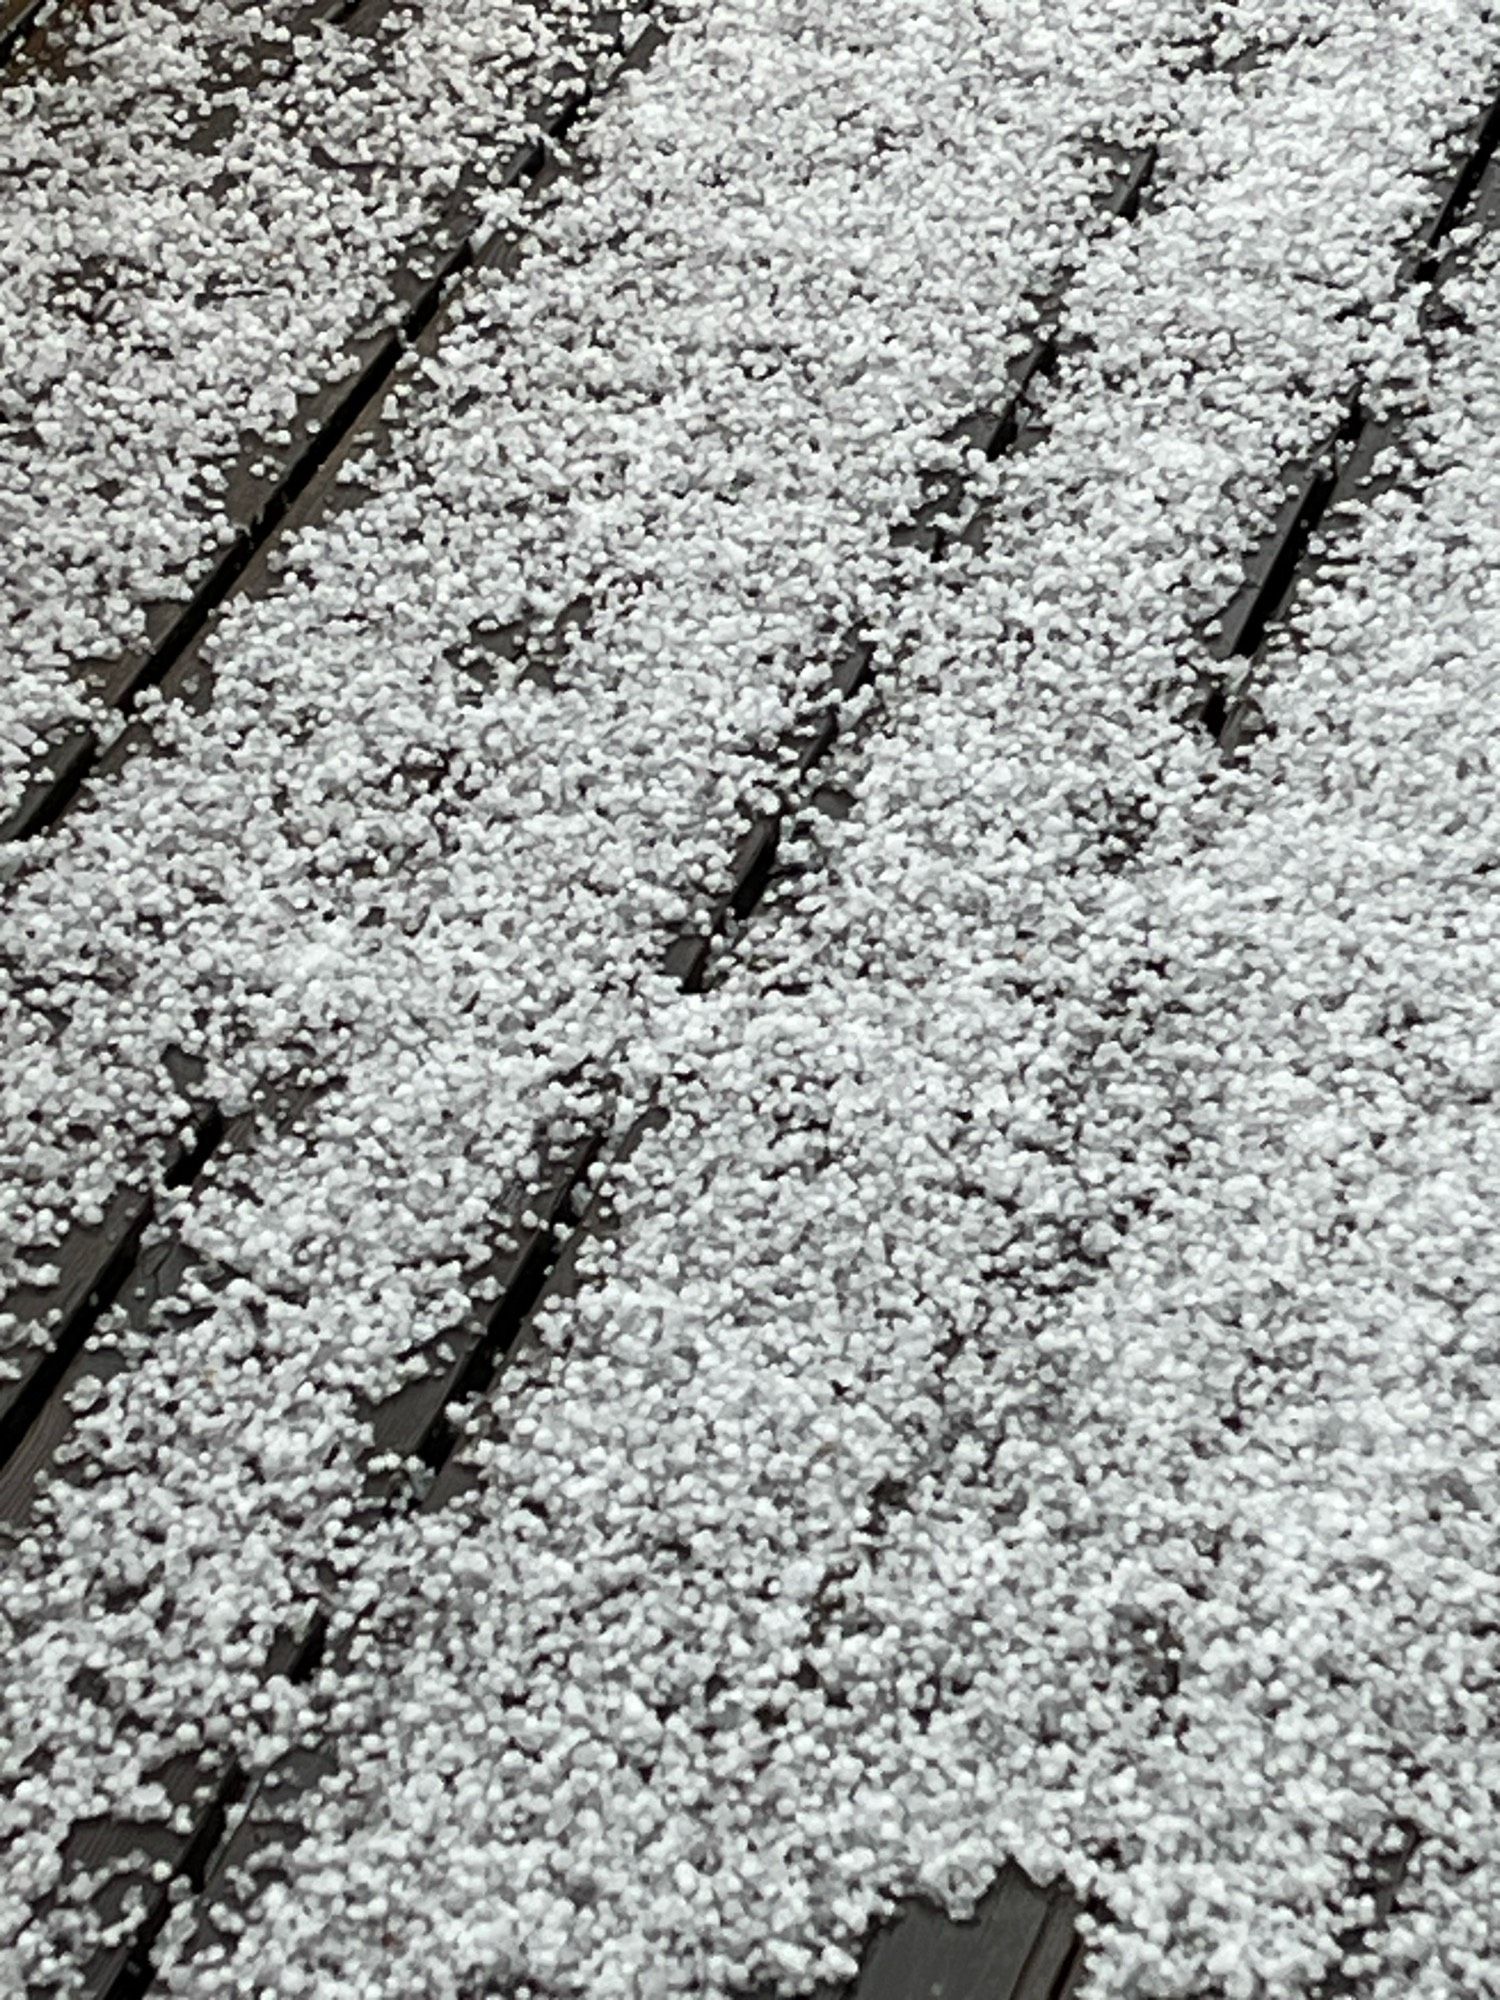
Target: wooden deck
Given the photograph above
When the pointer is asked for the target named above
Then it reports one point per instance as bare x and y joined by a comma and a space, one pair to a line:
1023, 1944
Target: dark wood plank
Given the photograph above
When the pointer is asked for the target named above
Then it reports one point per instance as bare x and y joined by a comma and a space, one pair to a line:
128, 1853
416, 1423
1382, 1881
130, 1262
936, 525
1057, 1955
94, 1263
926, 1953
19, 19
413, 1423
1458, 191
205, 1786
254, 1855
938, 520
157, 1272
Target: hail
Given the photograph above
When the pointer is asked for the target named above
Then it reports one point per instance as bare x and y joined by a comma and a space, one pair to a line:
1036, 1402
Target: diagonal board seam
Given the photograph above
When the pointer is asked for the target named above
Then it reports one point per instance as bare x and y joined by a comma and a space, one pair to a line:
122, 1970
749, 900
751, 867
18, 23
1273, 575
989, 435
119, 1245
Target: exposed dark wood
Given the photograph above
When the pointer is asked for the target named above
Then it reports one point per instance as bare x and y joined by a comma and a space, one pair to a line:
1382, 1883
414, 1424
127, 1852
1022, 1945
19, 19
94, 1263
1272, 572
542, 1268
208, 1787
252, 1857
936, 523
926, 1953
1461, 191
1057, 1957
155, 1272
132, 1262
934, 528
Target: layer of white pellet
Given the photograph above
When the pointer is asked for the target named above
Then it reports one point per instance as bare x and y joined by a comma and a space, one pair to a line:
1037, 1399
